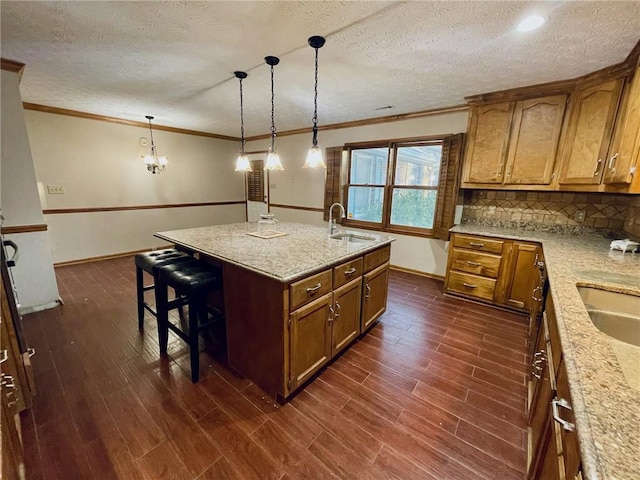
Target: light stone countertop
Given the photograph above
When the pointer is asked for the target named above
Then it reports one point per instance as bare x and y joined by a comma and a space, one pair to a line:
606, 408
304, 250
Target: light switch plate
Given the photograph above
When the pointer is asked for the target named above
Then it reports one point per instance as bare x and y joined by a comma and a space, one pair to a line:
55, 189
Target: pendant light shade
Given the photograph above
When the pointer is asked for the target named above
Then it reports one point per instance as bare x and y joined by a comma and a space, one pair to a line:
273, 159
242, 162
314, 156
154, 163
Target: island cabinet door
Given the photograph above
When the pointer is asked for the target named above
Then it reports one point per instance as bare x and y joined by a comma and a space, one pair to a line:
374, 295
346, 315
310, 339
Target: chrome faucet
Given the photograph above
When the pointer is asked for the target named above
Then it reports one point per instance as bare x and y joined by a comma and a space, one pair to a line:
332, 221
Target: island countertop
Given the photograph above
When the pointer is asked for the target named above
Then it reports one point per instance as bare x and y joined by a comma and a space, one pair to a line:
303, 250
606, 407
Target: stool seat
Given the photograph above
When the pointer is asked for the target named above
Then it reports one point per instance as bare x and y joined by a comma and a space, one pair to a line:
150, 262
192, 282
190, 278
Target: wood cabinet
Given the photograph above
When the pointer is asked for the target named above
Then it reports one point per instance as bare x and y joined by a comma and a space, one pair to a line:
590, 128
345, 324
495, 270
487, 143
521, 278
625, 151
280, 334
534, 138
374, 299
553, 445
310, 339
514, 143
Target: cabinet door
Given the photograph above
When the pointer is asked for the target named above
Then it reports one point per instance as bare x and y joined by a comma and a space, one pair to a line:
488, 140
569, 439
310, 339
589, 131
374, 299
522, 275
624, 153
534, 140
549, 464
346, 315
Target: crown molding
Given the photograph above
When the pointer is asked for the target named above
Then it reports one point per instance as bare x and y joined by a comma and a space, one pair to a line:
12, 66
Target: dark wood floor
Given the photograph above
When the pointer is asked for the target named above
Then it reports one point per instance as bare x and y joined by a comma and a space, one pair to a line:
435, 391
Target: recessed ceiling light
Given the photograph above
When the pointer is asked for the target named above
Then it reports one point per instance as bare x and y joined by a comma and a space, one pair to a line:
531, 23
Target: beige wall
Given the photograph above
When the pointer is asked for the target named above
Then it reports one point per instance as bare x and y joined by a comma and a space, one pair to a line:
33, 274
305, 187
99, 165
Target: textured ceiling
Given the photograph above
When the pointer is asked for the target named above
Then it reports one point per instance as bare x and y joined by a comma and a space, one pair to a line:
175, 59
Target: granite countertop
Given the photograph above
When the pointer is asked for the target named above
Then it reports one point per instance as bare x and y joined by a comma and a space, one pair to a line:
606, 407
304, 250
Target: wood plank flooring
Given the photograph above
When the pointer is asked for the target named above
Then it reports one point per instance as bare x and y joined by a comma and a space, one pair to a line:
436, 390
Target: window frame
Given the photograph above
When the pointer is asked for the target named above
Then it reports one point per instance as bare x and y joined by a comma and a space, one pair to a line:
388, 188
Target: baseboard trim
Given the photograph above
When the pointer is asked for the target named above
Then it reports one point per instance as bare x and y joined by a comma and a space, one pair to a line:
417, 272
108, 257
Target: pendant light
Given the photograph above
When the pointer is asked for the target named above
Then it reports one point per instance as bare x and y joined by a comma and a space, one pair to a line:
273, 159
314, 156
242, 163
154, 163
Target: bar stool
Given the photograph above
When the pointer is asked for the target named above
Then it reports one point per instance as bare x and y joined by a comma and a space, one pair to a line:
150, 262
192, 282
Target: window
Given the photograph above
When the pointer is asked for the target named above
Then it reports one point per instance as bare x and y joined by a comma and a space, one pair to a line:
405, 186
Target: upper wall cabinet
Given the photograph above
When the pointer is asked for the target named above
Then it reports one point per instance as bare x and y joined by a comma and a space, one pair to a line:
589, 133
623, 155
535, 133
514, 143
488, 140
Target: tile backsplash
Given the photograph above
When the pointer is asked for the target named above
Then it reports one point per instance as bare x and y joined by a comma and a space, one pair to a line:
553, 211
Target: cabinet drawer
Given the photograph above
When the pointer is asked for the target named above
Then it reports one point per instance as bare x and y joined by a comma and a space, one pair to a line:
346, 272
483, 244
479, 263
310, 288
377, 258
472, 285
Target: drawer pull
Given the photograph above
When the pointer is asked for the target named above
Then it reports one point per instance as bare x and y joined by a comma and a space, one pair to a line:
474, 264
597, 169
314, 289
476, 244
351, 271
469, 285
561, 402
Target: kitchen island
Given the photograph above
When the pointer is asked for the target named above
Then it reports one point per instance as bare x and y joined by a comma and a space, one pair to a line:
292, 302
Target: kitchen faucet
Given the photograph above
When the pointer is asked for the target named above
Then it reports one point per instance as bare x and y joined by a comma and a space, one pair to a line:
332, 221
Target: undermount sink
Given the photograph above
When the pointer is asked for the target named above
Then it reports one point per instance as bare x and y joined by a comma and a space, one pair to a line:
616, 314
353, 237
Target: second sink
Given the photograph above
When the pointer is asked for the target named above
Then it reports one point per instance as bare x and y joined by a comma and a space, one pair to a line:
616, 314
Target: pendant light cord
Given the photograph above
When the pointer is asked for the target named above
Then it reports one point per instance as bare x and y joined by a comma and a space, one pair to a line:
153, 145
241, 120
315, 106
273, 123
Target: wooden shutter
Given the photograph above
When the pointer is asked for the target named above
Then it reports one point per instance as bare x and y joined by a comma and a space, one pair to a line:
255, 182
332, 182
448, 185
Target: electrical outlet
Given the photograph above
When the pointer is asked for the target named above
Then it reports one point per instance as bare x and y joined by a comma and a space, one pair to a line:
55, 189
579, 216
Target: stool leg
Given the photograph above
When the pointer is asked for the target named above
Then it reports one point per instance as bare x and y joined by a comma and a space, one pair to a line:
194, 311
140, 296
162, 314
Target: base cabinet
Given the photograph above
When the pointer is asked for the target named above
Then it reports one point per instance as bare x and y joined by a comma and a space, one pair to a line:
494, 270
374, 300
280, 334
553, 444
